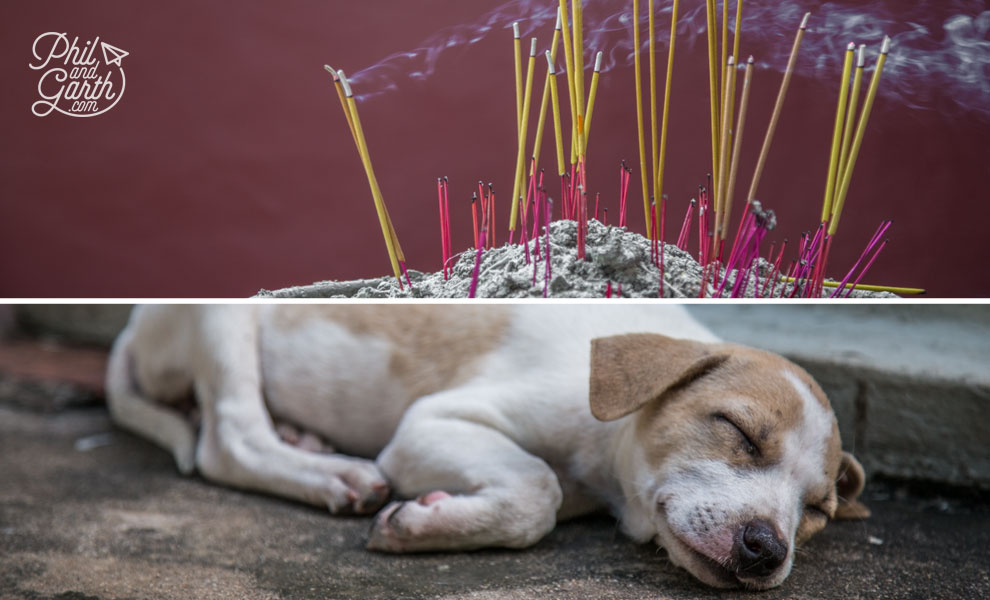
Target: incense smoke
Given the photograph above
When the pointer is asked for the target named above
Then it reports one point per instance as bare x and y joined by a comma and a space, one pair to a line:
940, 56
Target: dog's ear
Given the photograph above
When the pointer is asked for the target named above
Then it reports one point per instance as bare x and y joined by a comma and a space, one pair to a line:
627, 371
849, 486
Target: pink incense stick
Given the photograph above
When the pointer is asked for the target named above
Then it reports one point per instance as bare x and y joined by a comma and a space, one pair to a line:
547, 216
443, 238
866, 268
477, 265
884, 225
682, 237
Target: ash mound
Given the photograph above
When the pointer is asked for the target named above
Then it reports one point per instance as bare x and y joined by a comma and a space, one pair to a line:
615, 259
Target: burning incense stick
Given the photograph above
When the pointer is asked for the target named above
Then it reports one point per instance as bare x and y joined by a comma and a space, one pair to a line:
840, 114
387, 230
591, 102
864, 118
737, 147
851, 114
520, 156
644, 172
517, 52
777, 107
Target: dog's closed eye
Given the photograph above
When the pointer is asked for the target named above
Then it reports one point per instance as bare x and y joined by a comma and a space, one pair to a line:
816, 512
747, 442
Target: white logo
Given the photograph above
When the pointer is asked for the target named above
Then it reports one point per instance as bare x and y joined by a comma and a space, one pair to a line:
74, 81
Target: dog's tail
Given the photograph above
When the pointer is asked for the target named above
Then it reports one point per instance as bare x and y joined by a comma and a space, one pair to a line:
132, 410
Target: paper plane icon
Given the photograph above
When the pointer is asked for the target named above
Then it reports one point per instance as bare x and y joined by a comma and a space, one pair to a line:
114, 51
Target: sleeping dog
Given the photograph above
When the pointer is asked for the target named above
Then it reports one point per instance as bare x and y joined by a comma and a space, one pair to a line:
489, 424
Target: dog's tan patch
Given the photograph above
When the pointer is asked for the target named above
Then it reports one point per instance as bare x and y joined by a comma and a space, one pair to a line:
431, 351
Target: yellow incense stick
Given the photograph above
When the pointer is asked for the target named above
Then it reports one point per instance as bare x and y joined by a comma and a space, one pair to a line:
387, 230
569, 71
903, 291
343, 100
517, 51
840, 114
538, 142
777, 107
591, 102
864, 117
520, 156
653, 101
578, 40
713, 87
723, 163
666, 103
737, 146
731, 96
558, 133
725, 53
637, 67
851, 113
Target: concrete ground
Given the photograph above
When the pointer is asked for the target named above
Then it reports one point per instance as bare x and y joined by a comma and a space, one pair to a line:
88, 511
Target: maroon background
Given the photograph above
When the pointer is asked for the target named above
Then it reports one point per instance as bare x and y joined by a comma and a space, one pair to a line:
228, 167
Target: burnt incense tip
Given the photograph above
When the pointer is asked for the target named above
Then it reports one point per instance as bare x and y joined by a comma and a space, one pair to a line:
804, 21
550, 62
732, 60
532, 48
851, 47
861, 61
331, 71
598, 62
515, 30
885, 47
558, 26
750, 60
347, 84
445, 178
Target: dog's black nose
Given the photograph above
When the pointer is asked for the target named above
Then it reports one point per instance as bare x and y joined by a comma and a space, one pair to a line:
759, 550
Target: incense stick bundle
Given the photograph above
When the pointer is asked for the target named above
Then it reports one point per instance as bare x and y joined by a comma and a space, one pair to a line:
520, 156
851, 114
777, 108
840, 114
737, 146
388, 232
864, 118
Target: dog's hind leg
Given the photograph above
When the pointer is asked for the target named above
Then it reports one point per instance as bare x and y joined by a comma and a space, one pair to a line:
131, 410
476, 487
238, 444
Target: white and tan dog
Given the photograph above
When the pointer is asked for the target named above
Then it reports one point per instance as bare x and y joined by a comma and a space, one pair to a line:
492, 423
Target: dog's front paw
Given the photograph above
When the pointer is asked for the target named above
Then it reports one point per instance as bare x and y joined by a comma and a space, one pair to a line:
359, 488
408, 526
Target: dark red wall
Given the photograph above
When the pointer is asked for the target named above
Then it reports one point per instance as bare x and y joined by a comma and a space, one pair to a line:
227, 166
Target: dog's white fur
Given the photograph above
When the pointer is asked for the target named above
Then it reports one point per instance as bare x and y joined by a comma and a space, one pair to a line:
499, 443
